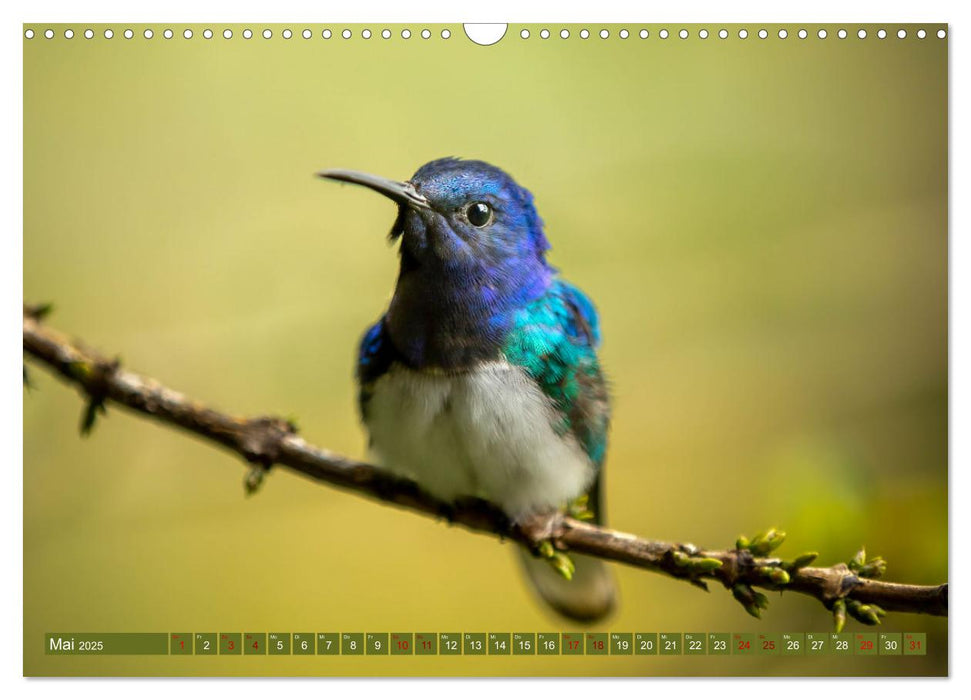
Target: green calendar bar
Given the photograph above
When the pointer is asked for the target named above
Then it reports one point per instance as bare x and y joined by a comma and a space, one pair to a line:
377, 644
402, 643
254, 643
474, 644
669, 643
915, 644
500, 644
695, 644
328, 643
450, 643
719, 643
597, 644
571, 644
206, 643
621, 644
230, 643
303, 643
548, 643
816, 644
278, 643
793, 644
841, 644
645, 643
426, 644
523, 643
352, 643
769, 644
180, 643
891, 644
865, 643
105, 643
743, 644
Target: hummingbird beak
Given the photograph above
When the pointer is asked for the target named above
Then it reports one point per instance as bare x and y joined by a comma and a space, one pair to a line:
400, 192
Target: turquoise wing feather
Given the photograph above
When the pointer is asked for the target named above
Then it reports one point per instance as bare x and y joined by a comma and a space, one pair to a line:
555, 340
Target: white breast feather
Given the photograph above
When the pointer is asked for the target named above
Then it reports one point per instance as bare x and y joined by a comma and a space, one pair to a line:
484, 433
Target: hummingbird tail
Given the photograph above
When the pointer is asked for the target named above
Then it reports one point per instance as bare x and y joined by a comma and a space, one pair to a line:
588, 597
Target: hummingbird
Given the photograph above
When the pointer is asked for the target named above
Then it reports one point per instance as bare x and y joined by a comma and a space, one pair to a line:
481, 378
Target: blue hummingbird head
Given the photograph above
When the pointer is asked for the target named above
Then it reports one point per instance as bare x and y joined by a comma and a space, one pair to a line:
473, 253
461, 215
474, 210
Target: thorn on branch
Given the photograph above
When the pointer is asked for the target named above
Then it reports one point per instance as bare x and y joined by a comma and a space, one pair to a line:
259, 439
259, 443
94, 377
753, 601
254, 478
839, 614
94, 406
38, 312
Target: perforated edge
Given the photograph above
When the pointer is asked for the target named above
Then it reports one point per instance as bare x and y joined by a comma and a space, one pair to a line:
391, 32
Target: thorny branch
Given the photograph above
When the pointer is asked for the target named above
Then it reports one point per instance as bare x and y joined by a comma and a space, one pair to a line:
847, 588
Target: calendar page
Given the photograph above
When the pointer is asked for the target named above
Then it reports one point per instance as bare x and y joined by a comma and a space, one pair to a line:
543, 349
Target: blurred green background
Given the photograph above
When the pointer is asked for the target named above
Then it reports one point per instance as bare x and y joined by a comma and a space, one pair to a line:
762, 223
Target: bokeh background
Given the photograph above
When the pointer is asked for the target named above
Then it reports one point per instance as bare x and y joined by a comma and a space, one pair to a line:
762, 223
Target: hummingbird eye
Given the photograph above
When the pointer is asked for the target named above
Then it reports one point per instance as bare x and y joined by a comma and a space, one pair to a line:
479, 214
